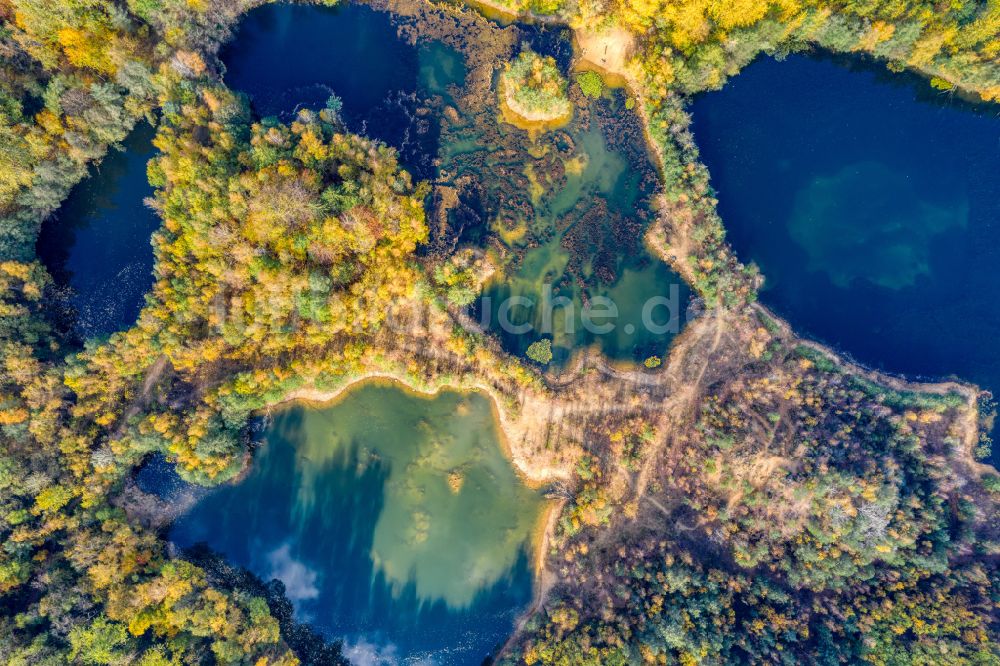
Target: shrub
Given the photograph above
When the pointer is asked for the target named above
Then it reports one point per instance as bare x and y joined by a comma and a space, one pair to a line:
540, 351
546, 6
591, 84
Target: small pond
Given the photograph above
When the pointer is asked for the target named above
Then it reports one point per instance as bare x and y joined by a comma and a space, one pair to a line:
98, 243
563, 214
872, 205
580, 273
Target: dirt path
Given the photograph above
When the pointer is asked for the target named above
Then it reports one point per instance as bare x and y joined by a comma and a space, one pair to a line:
608, 51
153, 375
686, 393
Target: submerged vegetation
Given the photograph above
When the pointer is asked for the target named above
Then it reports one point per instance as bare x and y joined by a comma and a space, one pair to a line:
735, 500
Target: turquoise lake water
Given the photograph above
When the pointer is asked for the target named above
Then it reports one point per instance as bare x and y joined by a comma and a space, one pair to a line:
394, 520
872, 205
98, 242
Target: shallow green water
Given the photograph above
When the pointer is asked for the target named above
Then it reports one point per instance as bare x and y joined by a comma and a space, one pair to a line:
394, 520
439, 68
589, 279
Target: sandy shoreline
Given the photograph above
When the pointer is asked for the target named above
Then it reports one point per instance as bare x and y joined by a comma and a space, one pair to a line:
532, 476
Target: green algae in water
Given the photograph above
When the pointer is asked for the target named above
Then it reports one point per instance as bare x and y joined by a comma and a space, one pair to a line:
867, 222
391, 518
603, 172
651, 285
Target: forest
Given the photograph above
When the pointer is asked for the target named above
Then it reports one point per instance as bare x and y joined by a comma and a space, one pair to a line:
789, 509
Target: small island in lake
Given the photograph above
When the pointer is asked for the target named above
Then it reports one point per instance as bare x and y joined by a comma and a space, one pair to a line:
532, 93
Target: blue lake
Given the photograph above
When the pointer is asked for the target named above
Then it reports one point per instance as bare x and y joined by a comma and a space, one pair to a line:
286, 57
871, 204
